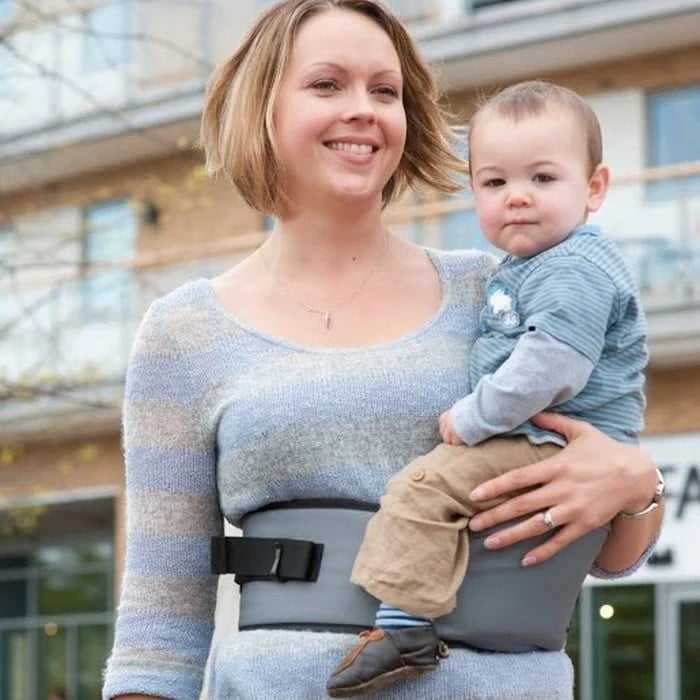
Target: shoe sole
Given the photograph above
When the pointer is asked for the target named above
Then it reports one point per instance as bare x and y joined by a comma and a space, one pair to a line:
380, 682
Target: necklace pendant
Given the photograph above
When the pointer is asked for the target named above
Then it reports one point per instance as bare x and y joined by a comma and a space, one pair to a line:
329, 320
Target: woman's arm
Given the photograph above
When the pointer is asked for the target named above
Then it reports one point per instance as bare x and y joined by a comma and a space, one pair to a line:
165, 622
584, 486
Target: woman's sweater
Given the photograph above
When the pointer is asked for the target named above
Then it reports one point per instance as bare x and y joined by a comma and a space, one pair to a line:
222, 418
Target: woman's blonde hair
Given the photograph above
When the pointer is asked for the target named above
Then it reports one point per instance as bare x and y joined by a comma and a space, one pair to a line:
237, 130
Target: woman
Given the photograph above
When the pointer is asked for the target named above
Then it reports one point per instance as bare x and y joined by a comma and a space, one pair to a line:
317, 367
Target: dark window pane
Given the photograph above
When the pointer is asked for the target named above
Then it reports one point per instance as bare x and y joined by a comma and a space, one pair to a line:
94, 642
623, 642
14, 664
74, 577
13, 598
63, 592
71, 555
12, 563
53, 667
690, 650
573, 647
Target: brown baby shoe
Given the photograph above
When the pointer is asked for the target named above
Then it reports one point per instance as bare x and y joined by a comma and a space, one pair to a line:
382, 656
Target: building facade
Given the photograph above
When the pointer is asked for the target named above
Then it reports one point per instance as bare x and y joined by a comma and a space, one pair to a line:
104, 206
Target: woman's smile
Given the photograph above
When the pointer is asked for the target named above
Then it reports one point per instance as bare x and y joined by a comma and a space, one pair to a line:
343, 89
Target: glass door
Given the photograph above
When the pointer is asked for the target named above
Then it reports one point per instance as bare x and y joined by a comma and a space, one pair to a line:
613, 643
679, 645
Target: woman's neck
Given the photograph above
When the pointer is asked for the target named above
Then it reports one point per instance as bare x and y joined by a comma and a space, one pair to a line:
317, 243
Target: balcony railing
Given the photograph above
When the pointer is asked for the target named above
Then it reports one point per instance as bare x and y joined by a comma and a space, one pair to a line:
118, 80
658, 229
65, 348
106, 58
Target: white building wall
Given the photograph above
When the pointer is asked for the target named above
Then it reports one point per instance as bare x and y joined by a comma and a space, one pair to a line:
623, 123
630, 213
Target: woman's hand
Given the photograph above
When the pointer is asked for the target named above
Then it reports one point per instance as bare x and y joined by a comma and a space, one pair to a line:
584, 486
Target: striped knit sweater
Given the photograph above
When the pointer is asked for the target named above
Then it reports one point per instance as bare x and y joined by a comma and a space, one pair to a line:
222, 418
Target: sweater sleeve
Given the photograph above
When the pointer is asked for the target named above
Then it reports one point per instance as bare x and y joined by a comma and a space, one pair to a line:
165, 617
541, 372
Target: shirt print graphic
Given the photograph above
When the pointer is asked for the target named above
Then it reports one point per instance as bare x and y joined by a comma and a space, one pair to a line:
501, 312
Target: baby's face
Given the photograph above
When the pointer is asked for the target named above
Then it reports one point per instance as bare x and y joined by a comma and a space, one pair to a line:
531, 179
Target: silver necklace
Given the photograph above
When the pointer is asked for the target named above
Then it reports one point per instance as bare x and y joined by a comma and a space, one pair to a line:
328, 313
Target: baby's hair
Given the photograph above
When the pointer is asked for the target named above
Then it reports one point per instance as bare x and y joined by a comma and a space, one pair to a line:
533, 97
237, 130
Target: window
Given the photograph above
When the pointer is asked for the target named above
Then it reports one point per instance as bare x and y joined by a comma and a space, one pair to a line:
56, 598
7, 11
623, 642
109, 238
106, 44
414, 10
673, 117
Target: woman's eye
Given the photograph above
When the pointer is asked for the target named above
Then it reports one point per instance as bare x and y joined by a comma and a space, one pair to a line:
543, 177
325, 85
386, 91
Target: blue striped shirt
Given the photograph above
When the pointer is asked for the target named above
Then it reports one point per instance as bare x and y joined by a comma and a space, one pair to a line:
571, 321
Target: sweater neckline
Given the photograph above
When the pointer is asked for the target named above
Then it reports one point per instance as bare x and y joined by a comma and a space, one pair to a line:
231, 318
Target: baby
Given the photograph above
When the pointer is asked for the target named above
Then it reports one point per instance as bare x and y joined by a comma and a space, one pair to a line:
562, 329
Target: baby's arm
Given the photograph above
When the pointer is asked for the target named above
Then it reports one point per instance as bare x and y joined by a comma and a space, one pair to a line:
551, 361
540, 372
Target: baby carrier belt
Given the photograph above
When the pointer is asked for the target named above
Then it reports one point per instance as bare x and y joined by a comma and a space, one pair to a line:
294, 564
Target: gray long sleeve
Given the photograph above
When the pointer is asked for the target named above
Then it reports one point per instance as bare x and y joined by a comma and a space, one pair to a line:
540, 372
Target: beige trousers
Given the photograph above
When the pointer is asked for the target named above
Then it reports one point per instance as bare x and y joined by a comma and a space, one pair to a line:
415, 551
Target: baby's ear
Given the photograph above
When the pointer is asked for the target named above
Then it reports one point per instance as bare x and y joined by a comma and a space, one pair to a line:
598, 187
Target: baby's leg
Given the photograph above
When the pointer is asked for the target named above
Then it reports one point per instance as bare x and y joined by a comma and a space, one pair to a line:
415, 551
414, 557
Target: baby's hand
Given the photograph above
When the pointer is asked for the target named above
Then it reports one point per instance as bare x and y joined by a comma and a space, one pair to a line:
447, 431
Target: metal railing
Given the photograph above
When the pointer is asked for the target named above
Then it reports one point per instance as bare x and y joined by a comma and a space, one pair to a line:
61, 66
59, 355
40, 655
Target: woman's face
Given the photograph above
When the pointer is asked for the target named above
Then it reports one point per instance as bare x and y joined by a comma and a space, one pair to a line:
339, 115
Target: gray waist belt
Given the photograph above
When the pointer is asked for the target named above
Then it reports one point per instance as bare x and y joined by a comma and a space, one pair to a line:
295, 558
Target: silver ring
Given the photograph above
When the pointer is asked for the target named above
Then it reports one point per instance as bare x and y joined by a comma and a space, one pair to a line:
548, 520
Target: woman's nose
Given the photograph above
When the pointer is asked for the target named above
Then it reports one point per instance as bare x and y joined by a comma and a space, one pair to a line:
360, 107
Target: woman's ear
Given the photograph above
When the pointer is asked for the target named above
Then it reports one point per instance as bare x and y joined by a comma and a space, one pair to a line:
598, 188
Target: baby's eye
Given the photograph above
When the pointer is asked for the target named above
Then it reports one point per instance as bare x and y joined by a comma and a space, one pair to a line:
325, 85
543, 177
494, 182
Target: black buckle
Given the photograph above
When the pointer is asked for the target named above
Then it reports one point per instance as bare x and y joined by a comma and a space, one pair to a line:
266, 559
